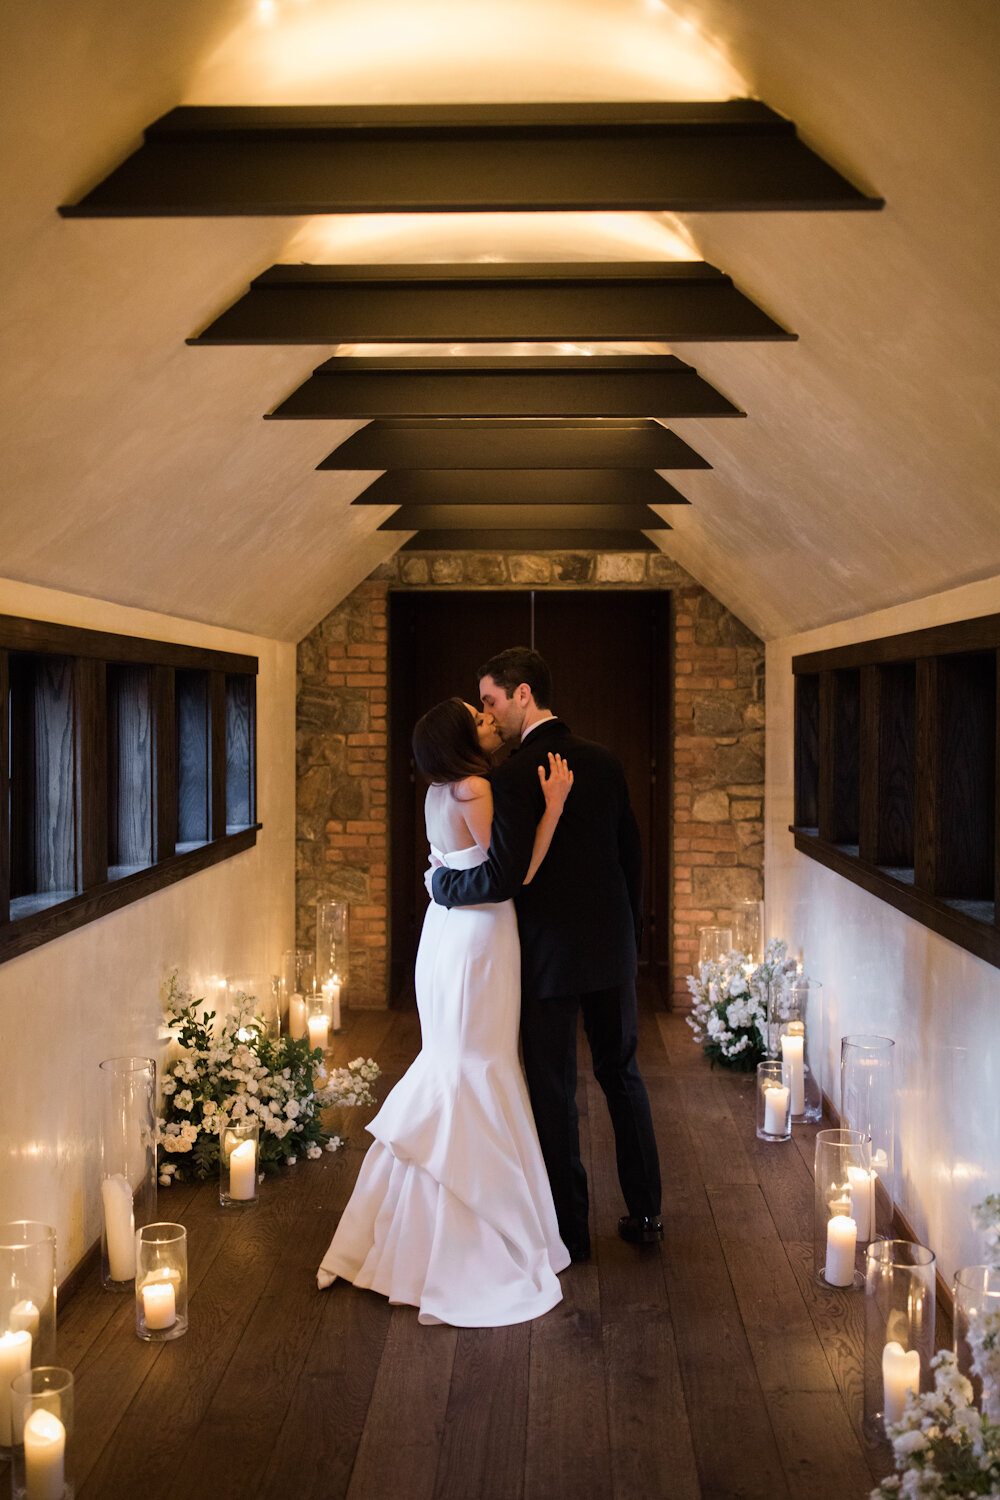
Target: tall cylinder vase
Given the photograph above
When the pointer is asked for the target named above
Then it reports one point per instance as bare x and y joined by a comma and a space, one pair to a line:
842, 1207
800, 1043
42, 1456
333, 957
128, 1163
976, 1330
748, 929
899, 1330
298, 979
714, 943
868, 1104
27, 1300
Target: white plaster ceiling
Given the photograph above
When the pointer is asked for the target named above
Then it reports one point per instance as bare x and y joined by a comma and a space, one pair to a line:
138, 470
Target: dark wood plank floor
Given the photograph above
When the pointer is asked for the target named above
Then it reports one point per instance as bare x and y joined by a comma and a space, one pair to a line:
714, 1366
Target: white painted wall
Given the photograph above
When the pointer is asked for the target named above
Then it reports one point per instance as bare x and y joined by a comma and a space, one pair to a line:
96, 993
886, 974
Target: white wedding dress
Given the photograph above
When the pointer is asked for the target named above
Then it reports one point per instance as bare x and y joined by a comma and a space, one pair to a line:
452, 1211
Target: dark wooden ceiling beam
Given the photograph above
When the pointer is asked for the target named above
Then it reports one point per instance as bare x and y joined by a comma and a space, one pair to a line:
557, 386
528, 541
518, 443
641, 301
525, 487
527, 518
302, 159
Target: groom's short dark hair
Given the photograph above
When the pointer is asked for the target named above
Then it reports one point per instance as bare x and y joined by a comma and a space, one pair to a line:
516, 665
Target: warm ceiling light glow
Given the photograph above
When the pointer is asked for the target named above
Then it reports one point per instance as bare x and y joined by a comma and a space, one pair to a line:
480, 351
395, 51
394, 239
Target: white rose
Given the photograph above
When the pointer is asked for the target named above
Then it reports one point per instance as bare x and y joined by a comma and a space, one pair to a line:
909, 1442
184, 1099
292, 1109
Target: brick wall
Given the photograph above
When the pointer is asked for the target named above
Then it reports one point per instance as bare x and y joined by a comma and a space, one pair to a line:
718, 770
342, 746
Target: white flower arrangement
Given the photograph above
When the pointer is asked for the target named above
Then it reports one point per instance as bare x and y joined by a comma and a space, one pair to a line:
236, 1072
729, 1014
942, 1446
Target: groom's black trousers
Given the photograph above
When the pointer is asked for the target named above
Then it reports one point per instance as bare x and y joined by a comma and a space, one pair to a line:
548, 1042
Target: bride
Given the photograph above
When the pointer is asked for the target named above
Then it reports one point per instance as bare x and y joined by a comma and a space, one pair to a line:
452, 1211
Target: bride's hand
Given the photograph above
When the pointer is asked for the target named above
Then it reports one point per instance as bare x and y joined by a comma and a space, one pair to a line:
555, 785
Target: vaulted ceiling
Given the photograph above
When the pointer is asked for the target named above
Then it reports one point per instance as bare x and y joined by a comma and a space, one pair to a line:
861, 473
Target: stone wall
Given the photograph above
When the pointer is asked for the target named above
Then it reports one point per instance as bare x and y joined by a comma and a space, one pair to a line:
718, 692
718, 770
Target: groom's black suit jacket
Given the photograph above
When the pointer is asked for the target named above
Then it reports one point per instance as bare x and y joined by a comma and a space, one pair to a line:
580, 917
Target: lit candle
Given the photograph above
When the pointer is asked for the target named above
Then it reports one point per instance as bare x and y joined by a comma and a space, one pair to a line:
44, 1456
319, 1031
24, 1318
775, 1110
119, 1227
841, 1241
296, 1017
331, 993
159, 1305
792, 1072
900, 1373
15, 1358
842, 1206
862, 1188
243, 1170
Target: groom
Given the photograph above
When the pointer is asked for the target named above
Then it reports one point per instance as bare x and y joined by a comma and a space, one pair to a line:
579, 922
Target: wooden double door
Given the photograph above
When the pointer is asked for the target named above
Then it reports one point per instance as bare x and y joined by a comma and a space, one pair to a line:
610, 656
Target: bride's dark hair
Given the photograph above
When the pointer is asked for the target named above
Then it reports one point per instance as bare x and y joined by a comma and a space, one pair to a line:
445, 745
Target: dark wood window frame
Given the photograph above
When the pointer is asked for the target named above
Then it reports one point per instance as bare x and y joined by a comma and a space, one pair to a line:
95, 758
896, 773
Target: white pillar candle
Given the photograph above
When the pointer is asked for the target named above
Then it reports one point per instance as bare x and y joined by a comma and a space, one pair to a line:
296, 1017
44, 1456
862, 1189
24, 1318
119, 1227
243, 1170
775, 1107
15, 1358
841, 1242
319, 1031
792, 1074
900, 1373
159, 1304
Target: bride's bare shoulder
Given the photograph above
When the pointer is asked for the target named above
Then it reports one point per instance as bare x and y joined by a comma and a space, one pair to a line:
471, 788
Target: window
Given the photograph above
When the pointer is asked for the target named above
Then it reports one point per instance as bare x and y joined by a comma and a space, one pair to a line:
896, 773
128, 764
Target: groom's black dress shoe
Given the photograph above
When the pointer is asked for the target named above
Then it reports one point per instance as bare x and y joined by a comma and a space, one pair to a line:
641, 1229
